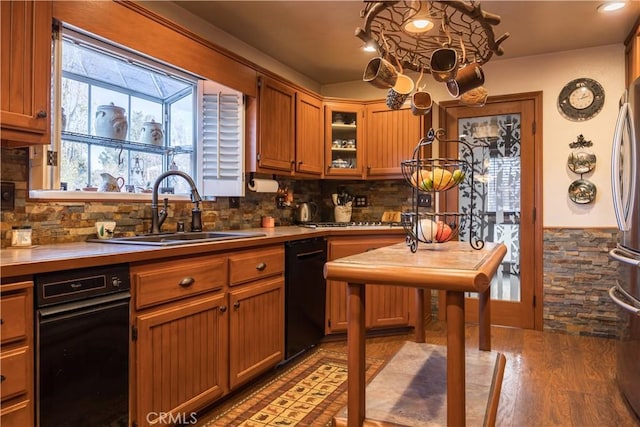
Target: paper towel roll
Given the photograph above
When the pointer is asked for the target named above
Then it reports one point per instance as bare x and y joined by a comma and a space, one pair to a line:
264, 185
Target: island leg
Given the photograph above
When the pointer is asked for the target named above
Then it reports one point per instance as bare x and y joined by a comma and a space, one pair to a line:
355, 354
456, 415
484, 327
419, 329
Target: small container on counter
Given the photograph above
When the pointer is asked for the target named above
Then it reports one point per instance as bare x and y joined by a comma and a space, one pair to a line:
21, 235
268, 222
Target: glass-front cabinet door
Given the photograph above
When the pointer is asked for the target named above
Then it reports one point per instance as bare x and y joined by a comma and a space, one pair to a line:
343, 139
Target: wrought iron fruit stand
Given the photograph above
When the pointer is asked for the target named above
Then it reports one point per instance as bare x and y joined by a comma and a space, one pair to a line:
432, 176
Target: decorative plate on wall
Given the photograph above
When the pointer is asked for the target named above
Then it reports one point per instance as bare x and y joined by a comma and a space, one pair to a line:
582, 191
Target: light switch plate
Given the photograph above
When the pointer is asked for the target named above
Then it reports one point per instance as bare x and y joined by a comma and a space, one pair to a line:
361, 202
424, 200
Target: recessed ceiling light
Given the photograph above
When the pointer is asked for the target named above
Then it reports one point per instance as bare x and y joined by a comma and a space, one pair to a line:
611, 6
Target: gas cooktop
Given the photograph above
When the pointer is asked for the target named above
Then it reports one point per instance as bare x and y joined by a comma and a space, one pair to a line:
352, 224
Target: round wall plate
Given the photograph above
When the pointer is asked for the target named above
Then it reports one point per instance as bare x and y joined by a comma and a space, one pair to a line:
582, 191
581, 162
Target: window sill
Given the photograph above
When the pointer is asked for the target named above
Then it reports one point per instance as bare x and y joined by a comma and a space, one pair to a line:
100, 196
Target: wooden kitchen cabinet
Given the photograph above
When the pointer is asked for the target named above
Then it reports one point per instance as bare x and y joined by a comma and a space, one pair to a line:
202, 326
632, 54
309, 135
276, 125
180, 333
256, 329
256, 306
391, 136
386, 306
25, 64
343, 140
181, 357
290, 130
16, 354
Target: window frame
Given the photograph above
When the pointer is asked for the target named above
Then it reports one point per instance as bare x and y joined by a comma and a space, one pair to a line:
49, 176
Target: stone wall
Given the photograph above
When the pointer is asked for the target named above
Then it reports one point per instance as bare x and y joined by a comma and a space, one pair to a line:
577, 275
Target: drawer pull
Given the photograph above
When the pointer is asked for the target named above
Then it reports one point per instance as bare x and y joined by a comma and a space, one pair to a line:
187, 281
261, 266
2, 378
223, 308
236, 304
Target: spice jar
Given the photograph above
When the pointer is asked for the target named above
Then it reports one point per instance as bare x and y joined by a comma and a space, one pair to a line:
21, 235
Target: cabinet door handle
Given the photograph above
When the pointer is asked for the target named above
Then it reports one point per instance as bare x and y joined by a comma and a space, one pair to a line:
261, 266
41, 114
293, 164
236, 304
1, 321
2, 378
187, 281
223, 308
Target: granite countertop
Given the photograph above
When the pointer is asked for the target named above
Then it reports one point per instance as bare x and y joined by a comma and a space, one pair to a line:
17, 262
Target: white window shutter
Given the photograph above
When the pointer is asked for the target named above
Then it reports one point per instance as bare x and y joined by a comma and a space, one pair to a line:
221, 144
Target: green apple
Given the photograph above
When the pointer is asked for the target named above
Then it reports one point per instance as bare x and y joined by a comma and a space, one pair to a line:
458, 176
427, 184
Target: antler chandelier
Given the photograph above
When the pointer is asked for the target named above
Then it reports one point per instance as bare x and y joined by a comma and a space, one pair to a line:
407, 32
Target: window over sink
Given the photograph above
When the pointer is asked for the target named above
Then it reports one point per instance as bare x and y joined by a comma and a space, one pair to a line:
125, 116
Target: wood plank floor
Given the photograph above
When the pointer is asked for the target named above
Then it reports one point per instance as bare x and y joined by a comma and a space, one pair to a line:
550, 379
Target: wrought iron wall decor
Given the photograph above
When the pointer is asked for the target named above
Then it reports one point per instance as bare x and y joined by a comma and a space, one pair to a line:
581, 160
460, 25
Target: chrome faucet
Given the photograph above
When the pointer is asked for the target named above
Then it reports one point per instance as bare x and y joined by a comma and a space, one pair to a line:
158, 218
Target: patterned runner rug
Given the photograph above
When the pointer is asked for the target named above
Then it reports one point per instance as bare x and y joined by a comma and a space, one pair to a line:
309, 393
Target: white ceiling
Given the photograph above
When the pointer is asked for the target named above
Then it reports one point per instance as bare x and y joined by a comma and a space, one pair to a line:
316, 38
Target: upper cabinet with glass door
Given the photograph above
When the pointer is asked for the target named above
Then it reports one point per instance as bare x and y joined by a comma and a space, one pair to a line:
344, 139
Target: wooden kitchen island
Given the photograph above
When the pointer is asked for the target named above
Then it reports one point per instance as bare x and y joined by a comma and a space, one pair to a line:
454, 267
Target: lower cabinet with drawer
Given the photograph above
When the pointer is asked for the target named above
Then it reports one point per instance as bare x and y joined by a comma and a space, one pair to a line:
386, 306
16, 355
201, 327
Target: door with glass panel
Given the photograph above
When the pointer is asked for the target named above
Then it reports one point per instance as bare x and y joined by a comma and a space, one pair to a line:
504, 196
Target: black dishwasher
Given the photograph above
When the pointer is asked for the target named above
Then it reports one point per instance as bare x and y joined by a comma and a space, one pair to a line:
82, 347
305, 290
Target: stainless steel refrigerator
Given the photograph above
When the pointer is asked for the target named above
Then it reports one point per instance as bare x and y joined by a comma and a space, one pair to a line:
625, 180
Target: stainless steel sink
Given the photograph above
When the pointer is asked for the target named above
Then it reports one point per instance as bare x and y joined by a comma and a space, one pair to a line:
170, 239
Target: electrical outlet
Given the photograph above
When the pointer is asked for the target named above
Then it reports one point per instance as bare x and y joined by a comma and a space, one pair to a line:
361, 202
8, 190
424, 200
234, 202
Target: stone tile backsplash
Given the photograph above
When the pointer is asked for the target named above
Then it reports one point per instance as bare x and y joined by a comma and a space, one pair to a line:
73, 221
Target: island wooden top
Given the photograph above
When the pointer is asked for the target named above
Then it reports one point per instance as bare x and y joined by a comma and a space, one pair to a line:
453, 266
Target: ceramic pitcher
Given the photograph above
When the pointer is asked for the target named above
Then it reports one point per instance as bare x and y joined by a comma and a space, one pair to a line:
111, 183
